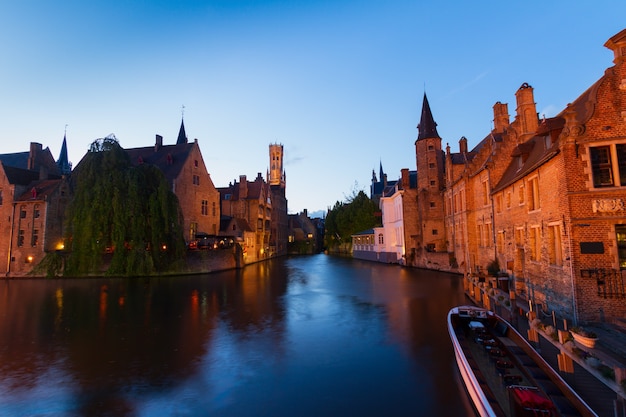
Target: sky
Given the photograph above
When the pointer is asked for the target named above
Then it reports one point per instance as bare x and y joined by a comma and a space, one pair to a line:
339, 83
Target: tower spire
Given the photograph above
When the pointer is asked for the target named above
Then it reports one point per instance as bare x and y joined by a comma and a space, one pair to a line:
63, 163
182, 136
427, 128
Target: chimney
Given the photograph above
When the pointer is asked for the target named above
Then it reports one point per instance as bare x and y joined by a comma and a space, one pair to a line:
526, 110
404, 178
306, 213
463, 144
33, 156
243, 187
500, 117
159, 143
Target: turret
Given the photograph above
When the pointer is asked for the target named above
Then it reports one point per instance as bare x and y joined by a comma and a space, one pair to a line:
526, 110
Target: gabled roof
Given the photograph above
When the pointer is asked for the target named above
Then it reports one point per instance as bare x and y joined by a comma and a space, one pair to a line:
17, 160
226, 223
528, 156
427, 128
19, 176
170, 159
42, 190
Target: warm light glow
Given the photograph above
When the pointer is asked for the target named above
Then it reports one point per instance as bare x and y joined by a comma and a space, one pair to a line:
29, 259
164, 247
60, 246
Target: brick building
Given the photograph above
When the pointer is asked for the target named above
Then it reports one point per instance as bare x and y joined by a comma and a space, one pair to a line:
250, 201
184, 168
546, 199
33, 199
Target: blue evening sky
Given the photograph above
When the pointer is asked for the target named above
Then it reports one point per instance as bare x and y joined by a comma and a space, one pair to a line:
339, 83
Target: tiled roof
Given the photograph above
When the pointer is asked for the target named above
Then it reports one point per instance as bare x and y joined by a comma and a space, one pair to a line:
17, 160
170, 159
42, 188
532, 154
427, 128
19, 176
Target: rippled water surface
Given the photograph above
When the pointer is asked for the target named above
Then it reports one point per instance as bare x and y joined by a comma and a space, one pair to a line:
306, 336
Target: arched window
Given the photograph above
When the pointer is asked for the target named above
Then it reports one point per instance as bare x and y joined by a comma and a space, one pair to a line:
380, 239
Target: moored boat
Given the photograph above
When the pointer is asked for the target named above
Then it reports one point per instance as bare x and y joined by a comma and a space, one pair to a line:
503, 374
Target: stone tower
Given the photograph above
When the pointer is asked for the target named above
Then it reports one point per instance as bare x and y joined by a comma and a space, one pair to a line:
430, 182
276, 173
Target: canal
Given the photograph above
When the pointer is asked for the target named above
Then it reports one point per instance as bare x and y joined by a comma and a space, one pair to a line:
304, 336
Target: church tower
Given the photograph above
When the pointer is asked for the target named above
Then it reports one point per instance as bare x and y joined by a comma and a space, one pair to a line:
430, 182
65, 166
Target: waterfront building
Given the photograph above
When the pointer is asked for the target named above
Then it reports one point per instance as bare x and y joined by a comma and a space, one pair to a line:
252, 202
33, 199
188, 177
303, 234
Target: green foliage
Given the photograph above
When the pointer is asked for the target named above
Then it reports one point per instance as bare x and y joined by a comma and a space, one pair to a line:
124, 210
346, 219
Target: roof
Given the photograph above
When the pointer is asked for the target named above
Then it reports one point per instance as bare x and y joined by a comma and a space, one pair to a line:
170, 159
427, 128
42, 190
19, 176
532, 154
18, 159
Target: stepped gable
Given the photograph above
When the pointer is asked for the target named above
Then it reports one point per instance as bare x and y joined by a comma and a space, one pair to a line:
170, 159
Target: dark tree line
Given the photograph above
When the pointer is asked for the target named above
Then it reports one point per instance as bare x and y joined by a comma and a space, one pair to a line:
355, 215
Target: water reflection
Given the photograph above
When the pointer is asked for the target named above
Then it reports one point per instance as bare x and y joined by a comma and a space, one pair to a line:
301, 336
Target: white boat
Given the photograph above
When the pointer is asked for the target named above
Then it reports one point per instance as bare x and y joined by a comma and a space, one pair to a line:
503, 374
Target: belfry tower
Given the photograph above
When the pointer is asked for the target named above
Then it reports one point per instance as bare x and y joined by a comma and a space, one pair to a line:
276, 173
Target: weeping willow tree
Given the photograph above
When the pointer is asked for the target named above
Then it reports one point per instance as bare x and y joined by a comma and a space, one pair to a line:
121, 209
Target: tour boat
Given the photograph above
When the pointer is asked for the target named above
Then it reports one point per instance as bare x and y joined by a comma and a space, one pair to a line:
503, 374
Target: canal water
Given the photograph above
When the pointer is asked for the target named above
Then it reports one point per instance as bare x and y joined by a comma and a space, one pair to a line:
304, 336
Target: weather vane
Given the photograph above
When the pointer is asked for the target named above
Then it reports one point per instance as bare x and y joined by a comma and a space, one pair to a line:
182, 111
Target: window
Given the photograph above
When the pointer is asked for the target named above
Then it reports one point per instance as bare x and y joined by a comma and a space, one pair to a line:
1, 197
620, 232
380, 239
533, 194
196, 180
519, 236
535, 243
435, 232
195, 163
204, 207
36, 214
499, 203
34, 238
521, 194
432, 183
488, 234
22, 212
431, 165
432, 204
481, 232
213, 208
20, 238
431, 148
485, 193
500, 241
608, 165
554, 245
508, 200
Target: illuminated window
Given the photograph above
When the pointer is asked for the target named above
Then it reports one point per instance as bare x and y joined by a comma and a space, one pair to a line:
35, 237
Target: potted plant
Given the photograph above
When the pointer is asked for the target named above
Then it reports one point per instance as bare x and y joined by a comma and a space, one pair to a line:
584, 337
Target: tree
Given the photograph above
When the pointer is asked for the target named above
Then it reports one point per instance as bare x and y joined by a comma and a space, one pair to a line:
124, 210
346, 219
